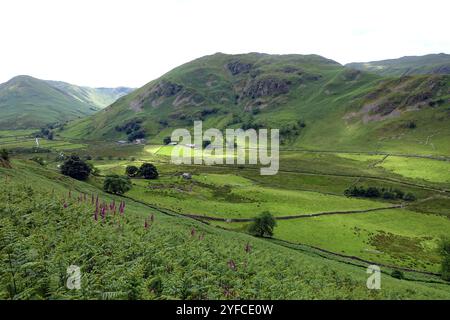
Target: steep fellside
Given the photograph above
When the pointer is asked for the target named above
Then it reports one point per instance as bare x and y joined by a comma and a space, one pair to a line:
315, 102
27, 102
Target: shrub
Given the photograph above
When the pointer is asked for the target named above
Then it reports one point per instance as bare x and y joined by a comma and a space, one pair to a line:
445, 264
131, 171
4, 154
388, 195
148, 171
411, 125
409, 197
205, 143
140, 134
263, 225
397, 274
116, 184
167, 140
76, 168
373, 192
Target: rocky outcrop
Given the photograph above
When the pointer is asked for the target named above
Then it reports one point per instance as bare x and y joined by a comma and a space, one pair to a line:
237, 67
444, 69
156, 95
266, 87
166, 89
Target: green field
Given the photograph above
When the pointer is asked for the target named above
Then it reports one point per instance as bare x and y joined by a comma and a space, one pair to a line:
330, 249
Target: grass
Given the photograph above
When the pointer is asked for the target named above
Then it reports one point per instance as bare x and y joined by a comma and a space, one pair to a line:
421, 169
396, 237
308, 182
180, 262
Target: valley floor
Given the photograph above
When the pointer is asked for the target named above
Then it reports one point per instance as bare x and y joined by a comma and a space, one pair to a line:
322, 244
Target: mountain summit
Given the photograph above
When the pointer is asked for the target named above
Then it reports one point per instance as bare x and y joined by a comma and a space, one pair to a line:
315, 102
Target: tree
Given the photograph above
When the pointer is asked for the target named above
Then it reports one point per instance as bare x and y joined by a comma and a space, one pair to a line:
131, 171
445, 264
263, 225
397, 274
167, 140
409, 197
116, 184
76, 168
373, 192
4, 154
148, 171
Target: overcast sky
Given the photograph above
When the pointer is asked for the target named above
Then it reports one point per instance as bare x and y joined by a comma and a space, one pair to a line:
130, 42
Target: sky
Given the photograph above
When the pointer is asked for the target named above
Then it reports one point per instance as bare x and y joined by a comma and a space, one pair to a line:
109, 43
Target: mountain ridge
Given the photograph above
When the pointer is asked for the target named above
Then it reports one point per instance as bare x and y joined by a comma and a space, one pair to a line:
29, 102
408, 65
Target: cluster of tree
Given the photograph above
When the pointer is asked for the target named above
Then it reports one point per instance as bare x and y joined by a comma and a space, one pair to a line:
291, 130
45, 133
146, 171
263, 225
133, 129
247, 121
76, 168
374, 192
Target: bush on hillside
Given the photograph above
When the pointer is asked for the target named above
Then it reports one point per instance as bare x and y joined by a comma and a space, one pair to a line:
4, 154
116, 184
409, 197
397, 274
445, 263
131, 171
148, 171
76, 168
263, 225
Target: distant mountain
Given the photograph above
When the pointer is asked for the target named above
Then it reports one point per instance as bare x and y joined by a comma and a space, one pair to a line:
27, 102
97, 97
315, 102
411, 65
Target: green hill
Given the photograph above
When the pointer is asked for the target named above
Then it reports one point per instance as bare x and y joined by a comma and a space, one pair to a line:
27, 102
428, 64
315, 102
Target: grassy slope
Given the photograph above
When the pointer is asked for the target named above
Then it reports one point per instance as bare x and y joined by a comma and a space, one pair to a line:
432, 63
187, 267
27, 102
322, 93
